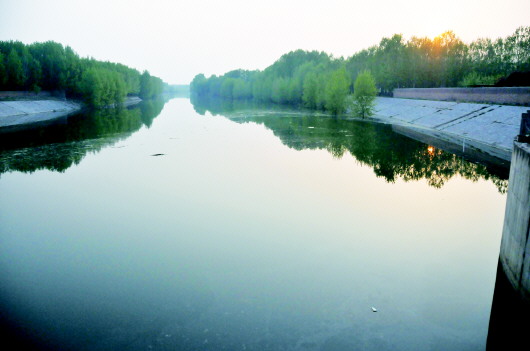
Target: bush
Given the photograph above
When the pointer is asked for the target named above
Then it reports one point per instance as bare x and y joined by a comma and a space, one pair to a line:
364, 92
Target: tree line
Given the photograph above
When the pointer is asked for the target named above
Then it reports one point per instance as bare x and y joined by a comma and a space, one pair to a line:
51, 66
320, 81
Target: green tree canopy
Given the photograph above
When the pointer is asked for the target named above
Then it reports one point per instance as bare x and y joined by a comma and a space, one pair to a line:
51, 66
337, 89
3, 73
15, 73
309, 77
364, 92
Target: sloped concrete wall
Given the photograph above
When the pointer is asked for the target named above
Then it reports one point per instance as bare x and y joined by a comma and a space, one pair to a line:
492, 125
515, 245
13, 113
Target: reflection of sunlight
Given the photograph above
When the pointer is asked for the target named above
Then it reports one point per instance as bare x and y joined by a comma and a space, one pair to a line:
431, 150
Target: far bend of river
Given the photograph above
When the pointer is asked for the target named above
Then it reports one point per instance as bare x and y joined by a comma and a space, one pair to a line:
250, 230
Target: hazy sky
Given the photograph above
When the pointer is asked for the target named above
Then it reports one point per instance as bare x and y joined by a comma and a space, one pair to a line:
177, 39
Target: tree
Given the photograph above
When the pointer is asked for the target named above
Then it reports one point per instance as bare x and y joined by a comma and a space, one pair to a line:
391, 62
51, 66
198, 85
91, 87
15, 72
150, 86
309, 78
309, 94
519, 47
280, 90
3, 73
227, 88
35, 75
336, 91
364, 92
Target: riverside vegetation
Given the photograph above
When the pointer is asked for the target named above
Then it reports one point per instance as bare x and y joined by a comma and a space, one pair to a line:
317, 80
51, 66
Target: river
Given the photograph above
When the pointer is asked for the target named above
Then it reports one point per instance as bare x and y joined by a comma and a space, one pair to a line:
182, 227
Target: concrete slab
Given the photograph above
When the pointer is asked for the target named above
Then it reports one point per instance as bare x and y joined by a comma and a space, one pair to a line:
9, 110
494, 125
13, 113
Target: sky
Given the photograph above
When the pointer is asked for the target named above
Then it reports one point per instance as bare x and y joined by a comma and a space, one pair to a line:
175, 40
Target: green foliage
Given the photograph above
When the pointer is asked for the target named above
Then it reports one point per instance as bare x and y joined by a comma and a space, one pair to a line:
475, 78
283, 82
199, 85
310, 90
3, 72
241, 89
227, 88
307, 77
101, 87
15, 73
280, 90
150, 86
364, 92
51, 66
337, 88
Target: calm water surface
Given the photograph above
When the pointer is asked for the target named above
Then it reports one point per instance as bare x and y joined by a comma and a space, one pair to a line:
255, 231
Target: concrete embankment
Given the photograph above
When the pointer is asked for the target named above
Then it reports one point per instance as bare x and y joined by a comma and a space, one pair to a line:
485, 127
23, 112
489, 129
515, 245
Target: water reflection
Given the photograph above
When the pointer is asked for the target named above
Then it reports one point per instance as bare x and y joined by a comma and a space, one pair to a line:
232, 241
392, 156
509, 316
61, 145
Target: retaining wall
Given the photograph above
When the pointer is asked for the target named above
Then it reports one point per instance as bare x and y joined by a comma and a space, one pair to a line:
17, 113
515, 245
490, 95
493, 125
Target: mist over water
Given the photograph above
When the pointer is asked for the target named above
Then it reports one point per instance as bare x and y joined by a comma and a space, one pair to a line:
246, 236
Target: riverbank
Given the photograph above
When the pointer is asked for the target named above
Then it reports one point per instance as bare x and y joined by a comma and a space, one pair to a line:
24, 113
488, 128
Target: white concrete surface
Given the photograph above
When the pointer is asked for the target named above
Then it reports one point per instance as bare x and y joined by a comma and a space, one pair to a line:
14, 113
496, 125
515, 245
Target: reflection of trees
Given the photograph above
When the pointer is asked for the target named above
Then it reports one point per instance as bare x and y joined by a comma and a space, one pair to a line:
391, 155
222, 106
59, 146
150, 109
